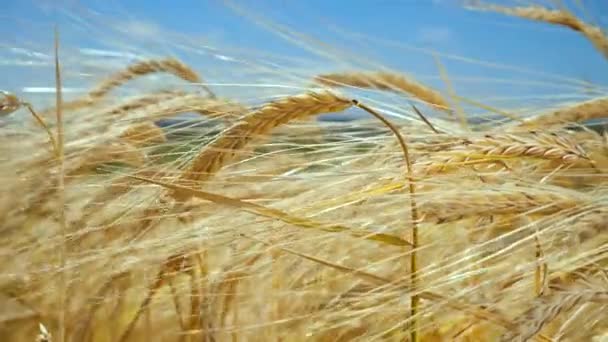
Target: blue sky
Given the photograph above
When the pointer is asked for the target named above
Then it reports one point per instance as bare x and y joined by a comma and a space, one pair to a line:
389, 32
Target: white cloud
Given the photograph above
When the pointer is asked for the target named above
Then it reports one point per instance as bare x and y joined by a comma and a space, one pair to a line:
434, 35
141, 28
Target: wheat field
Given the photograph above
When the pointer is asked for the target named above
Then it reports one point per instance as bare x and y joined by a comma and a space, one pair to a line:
179, 212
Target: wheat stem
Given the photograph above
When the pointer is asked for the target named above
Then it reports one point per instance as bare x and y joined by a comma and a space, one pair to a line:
61, 193
415, 299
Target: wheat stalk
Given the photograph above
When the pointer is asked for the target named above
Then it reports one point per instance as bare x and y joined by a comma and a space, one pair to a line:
9, 103
174, 265
63, 299
385, 81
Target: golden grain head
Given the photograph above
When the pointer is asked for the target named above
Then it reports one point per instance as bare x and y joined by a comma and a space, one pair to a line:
8, 103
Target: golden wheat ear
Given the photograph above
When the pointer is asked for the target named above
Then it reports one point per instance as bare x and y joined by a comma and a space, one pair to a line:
259, 124
560, 17
146, 67
170, 103
9, 103
385, 81
580, 112
168, 65
143, 134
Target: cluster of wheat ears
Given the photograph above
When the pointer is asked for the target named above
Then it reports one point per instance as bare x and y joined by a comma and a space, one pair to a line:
280, 228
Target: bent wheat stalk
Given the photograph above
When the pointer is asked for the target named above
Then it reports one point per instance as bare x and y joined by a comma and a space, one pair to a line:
415, 299
9, 103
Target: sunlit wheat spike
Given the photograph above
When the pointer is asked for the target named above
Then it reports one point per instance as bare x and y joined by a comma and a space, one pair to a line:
138, 69
584, 227
258, 124
8, 103
546, 309
385, 81
143, 134
560, 17
593, 109
168, 104
111, 152
494, 148
169, 65
505, 200
555, 145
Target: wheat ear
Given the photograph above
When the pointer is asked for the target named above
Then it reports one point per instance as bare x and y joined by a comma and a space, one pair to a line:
385, 81
588, 110
142, 68
114, 151
493, 148
169, 65
585, 226
143, 134
557, 17
258, 124
166, 104
546, 309
554, 146
8, 103
498, 201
